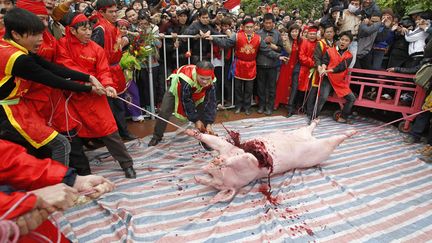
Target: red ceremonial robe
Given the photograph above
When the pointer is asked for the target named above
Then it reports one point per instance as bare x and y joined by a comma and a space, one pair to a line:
307, 62
93, 111
337, 80
25, 172
19, 110
283, 88
50, 102
246, 52
113, 51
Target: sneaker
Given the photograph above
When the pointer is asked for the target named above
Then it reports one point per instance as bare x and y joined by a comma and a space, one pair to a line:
343, 120
154, 141
268, 112
237, 111
247, 112
260, 110
411, 139
139, 118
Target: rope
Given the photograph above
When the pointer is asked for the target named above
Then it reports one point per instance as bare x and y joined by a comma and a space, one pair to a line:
151, 113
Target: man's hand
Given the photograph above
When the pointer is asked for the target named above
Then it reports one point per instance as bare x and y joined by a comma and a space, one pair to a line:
268, 39
209, 38
111, 92
32, 219
209, 129
284, 58
98, 91
95, 183
61, 196
200, 126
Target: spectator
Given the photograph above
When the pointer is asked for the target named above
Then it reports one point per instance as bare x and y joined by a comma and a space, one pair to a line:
368, 31
351, 22
399, 50
417, 39
267, 67
383, 40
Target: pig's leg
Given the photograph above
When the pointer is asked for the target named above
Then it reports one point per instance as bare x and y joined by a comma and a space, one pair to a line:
305, 133
224, 196
215, 142
205, 181
319, 150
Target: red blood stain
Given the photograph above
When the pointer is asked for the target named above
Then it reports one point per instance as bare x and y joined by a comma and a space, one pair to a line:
208, 219
264, 189
309, 231
150, 169
179, 188
258, 149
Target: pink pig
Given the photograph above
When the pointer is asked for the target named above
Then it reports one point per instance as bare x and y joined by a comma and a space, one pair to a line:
234, 168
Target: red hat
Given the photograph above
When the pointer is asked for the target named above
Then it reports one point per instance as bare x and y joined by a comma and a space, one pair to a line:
35, 6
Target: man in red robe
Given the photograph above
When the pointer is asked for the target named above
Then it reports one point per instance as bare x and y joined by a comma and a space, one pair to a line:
50, 186
247, 45
108, 36
320, 49
334, 67
20, 67
308, 73
78, 52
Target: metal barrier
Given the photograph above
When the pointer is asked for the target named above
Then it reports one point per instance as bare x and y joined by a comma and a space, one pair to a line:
164, 60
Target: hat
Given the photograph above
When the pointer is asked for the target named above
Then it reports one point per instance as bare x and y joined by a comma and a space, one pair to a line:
182, 11
34, 6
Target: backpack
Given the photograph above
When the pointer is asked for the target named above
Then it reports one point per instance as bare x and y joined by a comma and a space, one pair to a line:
423, 76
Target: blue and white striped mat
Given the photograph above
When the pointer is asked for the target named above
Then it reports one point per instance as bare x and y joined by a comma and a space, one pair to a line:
372, 189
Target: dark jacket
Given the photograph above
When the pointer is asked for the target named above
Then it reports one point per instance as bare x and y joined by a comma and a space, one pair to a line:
264, 60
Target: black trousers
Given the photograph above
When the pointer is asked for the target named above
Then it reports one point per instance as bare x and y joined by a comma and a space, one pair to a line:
243, 93
166, 110
119, 112
266, 81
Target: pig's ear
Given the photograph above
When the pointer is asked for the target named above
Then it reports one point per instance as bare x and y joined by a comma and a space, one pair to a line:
224, 196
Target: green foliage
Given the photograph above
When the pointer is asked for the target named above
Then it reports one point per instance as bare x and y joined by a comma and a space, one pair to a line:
312, 8
401, 7
307, 8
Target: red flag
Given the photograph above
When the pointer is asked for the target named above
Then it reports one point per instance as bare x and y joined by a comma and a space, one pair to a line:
230, 4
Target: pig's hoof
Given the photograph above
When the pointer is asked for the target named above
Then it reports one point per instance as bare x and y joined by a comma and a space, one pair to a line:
351, 133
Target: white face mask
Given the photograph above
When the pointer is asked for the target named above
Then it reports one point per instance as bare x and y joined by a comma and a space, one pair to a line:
352, 8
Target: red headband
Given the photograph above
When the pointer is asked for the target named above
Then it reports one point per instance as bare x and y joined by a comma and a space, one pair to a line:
312, 30
78, 19
123, 22
248, 21
205, 72
36, 7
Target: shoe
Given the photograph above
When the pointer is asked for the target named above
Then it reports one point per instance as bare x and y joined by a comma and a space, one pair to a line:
427, 151
260, 110
129, 137
341, 120
130, 173
427, 159
247, 112
139, 118
411, 139
154, 141
290, 114
237, 111
268, 112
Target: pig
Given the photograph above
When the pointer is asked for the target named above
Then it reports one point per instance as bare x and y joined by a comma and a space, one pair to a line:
279, 152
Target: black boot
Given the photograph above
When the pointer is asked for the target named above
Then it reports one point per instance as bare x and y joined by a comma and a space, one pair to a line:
154, 141
130, 172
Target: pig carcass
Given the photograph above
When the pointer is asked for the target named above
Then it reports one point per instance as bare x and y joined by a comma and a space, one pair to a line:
238, 164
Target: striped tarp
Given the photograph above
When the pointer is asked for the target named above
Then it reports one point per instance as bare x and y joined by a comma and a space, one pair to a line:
372, 189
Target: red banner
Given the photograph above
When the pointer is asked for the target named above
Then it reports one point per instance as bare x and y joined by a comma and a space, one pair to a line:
230, 4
